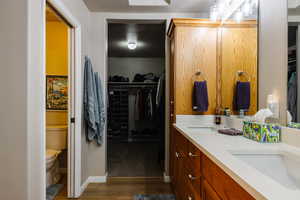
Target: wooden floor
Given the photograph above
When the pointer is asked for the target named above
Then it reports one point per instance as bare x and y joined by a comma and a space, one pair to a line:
121, 189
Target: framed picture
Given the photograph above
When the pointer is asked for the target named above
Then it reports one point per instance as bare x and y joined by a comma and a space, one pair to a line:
57, 92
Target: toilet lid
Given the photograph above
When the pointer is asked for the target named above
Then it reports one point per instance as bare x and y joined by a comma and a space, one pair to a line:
51, 154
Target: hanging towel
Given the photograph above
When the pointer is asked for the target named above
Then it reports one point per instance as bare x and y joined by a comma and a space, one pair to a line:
101, 110
242, 100
200, 94
93, 113
89, 100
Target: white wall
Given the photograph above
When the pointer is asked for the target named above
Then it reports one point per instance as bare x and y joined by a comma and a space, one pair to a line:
13, 108
130, 66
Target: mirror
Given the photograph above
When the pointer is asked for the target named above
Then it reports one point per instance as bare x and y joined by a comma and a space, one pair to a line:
293, 92
239, 60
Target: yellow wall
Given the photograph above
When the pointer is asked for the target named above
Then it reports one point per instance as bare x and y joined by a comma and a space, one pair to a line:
56, 62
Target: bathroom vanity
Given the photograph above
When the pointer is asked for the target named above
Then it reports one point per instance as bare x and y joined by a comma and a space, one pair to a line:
206, 165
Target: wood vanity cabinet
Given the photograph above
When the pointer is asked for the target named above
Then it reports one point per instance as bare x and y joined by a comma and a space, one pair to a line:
196, 177
218, 52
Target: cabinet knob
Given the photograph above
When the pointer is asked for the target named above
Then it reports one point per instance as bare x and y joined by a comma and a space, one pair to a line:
172, 115
171, 102
190, 198
192, 177
193, 155
177, 155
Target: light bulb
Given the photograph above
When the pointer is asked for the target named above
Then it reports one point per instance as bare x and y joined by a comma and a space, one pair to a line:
247, 8
255, 3
222, 7
132, 45
239, 16
214, 14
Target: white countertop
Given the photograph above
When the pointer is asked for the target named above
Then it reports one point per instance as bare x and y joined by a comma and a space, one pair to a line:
218, 147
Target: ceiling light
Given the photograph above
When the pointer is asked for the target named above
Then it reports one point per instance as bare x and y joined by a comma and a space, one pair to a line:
132, 45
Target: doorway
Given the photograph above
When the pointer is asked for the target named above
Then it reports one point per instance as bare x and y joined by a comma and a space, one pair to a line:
63, 101
57, 104
136, 95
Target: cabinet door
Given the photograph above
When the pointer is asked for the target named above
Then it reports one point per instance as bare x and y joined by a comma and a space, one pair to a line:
209, 193
196, 51
178, 177
172, 115
172, 154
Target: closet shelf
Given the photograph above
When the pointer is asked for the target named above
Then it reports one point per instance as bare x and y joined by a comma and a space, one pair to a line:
132, 83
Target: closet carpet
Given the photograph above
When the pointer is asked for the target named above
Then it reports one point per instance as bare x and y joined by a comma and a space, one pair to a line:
133, 160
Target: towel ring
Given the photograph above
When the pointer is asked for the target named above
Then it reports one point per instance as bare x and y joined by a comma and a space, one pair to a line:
242, 73
198, 74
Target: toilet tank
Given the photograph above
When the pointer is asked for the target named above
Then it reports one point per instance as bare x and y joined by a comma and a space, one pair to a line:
56, 137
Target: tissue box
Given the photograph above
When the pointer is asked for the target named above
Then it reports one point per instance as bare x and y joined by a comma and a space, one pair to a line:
260, 132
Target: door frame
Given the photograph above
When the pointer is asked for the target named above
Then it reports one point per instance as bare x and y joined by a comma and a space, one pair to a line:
75, 100
147, 19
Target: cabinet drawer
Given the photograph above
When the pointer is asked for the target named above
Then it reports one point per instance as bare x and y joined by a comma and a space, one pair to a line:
194, 159
181, 144
223, 184
193, 179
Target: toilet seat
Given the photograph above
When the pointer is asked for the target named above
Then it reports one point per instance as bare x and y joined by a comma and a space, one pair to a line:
51, 156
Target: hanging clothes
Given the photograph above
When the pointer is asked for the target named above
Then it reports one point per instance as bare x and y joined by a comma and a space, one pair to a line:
292, 96
160, 90
137, 105
149, 105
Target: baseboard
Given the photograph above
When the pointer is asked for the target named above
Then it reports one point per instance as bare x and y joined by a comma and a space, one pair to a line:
84, 186
93, 179
97, 179
167, 179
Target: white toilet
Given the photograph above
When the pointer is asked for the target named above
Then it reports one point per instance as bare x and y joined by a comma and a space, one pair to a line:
56, 141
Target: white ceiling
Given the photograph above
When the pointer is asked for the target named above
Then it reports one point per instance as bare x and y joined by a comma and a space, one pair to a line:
194, 6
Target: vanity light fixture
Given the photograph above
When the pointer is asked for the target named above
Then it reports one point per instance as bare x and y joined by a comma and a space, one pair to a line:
255, 3
214, 14
132, 45
247, 8
225, 9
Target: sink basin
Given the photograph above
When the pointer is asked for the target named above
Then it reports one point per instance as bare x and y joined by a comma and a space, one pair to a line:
283, 167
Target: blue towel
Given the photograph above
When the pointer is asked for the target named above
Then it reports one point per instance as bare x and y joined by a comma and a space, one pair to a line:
242, 100
200, 94
101, 110
94, 115
89, 100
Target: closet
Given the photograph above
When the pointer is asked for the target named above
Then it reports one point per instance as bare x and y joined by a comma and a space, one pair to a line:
136, 98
